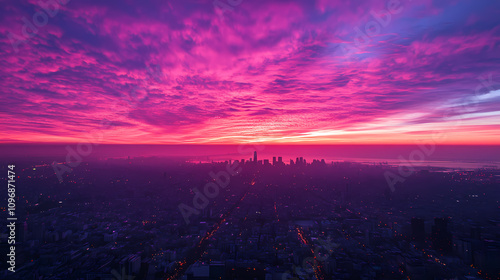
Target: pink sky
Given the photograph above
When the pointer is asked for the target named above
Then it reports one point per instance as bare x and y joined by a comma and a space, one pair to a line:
265, 71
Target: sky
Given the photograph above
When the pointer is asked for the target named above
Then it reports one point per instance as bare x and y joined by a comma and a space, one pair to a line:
241, 71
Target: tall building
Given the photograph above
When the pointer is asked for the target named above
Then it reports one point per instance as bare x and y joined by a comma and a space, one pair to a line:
280, 160
21, 231
39, 232
418, 229
255, 156
274, 160
475, 232
132, 264
441, 238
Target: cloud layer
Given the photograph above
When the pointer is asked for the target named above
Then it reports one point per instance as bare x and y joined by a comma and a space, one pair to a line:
245, 71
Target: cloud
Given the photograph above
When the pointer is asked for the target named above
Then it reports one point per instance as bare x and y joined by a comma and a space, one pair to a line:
176, 72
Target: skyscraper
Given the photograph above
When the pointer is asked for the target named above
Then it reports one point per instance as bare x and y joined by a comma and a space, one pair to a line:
418, 229
441, 237
274, 160
255, 156
475, 232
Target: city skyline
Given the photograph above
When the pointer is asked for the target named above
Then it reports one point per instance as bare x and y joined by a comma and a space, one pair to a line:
156, 218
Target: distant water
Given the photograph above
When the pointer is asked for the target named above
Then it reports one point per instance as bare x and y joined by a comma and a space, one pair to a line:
441, 156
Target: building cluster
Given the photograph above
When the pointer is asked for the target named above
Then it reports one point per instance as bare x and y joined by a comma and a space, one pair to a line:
119, 218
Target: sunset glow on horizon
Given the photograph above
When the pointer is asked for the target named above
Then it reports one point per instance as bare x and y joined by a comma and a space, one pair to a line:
275, 72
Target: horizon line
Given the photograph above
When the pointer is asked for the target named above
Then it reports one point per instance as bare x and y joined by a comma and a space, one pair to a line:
239, 144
